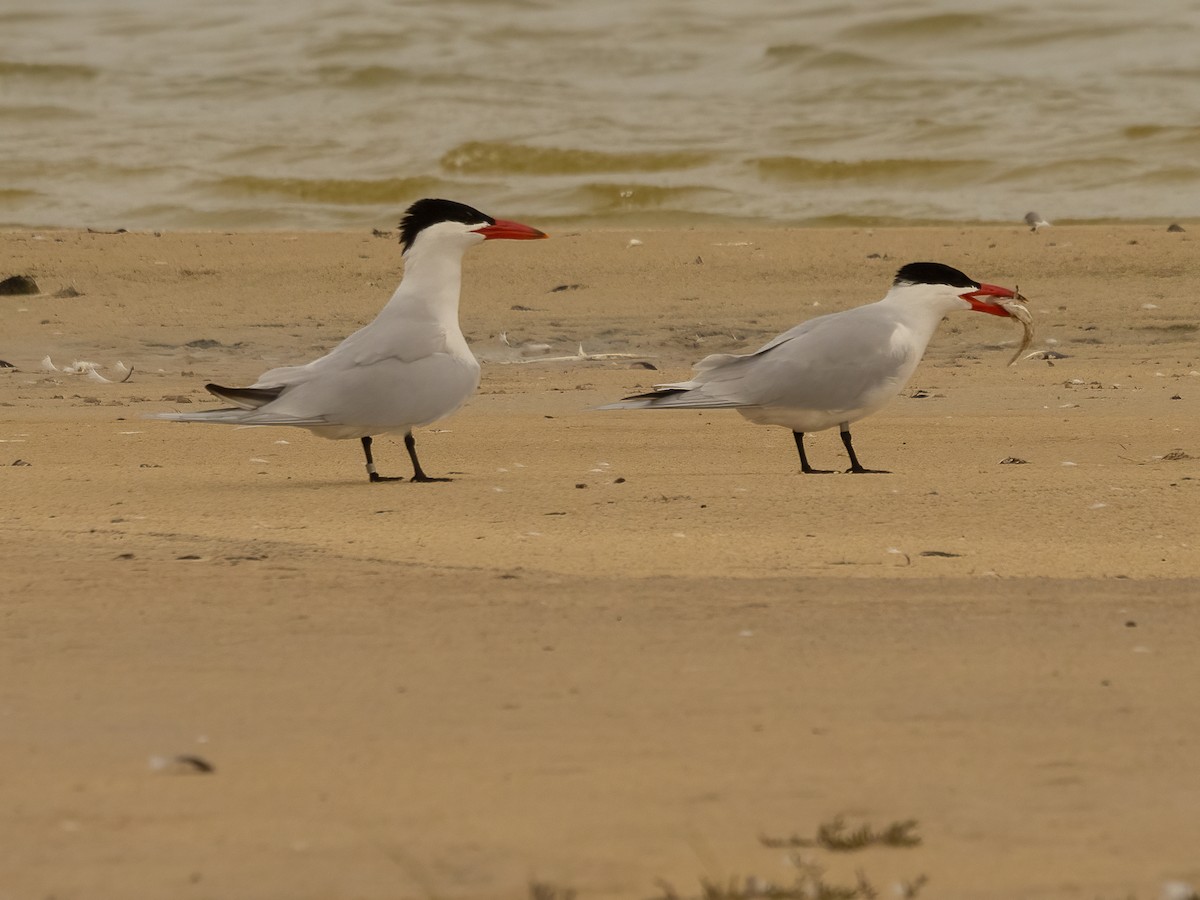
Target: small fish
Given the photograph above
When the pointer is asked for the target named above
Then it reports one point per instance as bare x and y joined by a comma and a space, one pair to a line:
1020, 312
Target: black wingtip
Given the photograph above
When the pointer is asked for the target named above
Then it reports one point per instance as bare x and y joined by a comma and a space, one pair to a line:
656, 395
251, 396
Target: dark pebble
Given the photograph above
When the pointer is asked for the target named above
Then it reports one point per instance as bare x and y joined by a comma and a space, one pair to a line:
17, 285
196, 763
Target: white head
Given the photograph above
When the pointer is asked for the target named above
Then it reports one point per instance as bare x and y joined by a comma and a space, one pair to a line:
934, 282
449, 224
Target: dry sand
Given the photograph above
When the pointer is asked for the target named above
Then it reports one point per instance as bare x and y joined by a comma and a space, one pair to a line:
619, 646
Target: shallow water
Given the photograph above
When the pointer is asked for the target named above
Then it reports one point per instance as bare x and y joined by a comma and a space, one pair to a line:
337, 113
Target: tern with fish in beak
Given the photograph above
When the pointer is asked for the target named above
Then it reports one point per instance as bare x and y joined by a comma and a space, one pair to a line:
838, 368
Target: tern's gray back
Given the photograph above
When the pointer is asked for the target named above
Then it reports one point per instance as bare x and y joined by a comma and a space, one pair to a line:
831, 362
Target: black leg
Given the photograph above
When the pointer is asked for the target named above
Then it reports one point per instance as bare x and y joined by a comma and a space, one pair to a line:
418, 473
371, 473
804, 466
855, 466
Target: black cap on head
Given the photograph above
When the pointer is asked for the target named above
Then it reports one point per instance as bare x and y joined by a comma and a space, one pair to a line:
933, 273
428, 212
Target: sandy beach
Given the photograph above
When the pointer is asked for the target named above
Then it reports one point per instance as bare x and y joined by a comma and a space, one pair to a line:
620, 648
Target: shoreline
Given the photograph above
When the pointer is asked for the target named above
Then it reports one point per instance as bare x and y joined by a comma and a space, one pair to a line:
671, 221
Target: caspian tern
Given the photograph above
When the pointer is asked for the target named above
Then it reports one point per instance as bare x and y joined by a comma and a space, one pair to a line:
834, 369
409, 367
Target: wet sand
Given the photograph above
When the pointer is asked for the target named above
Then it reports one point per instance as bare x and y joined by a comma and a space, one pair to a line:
619, 647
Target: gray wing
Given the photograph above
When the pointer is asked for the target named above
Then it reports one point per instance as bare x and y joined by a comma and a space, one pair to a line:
830, 362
